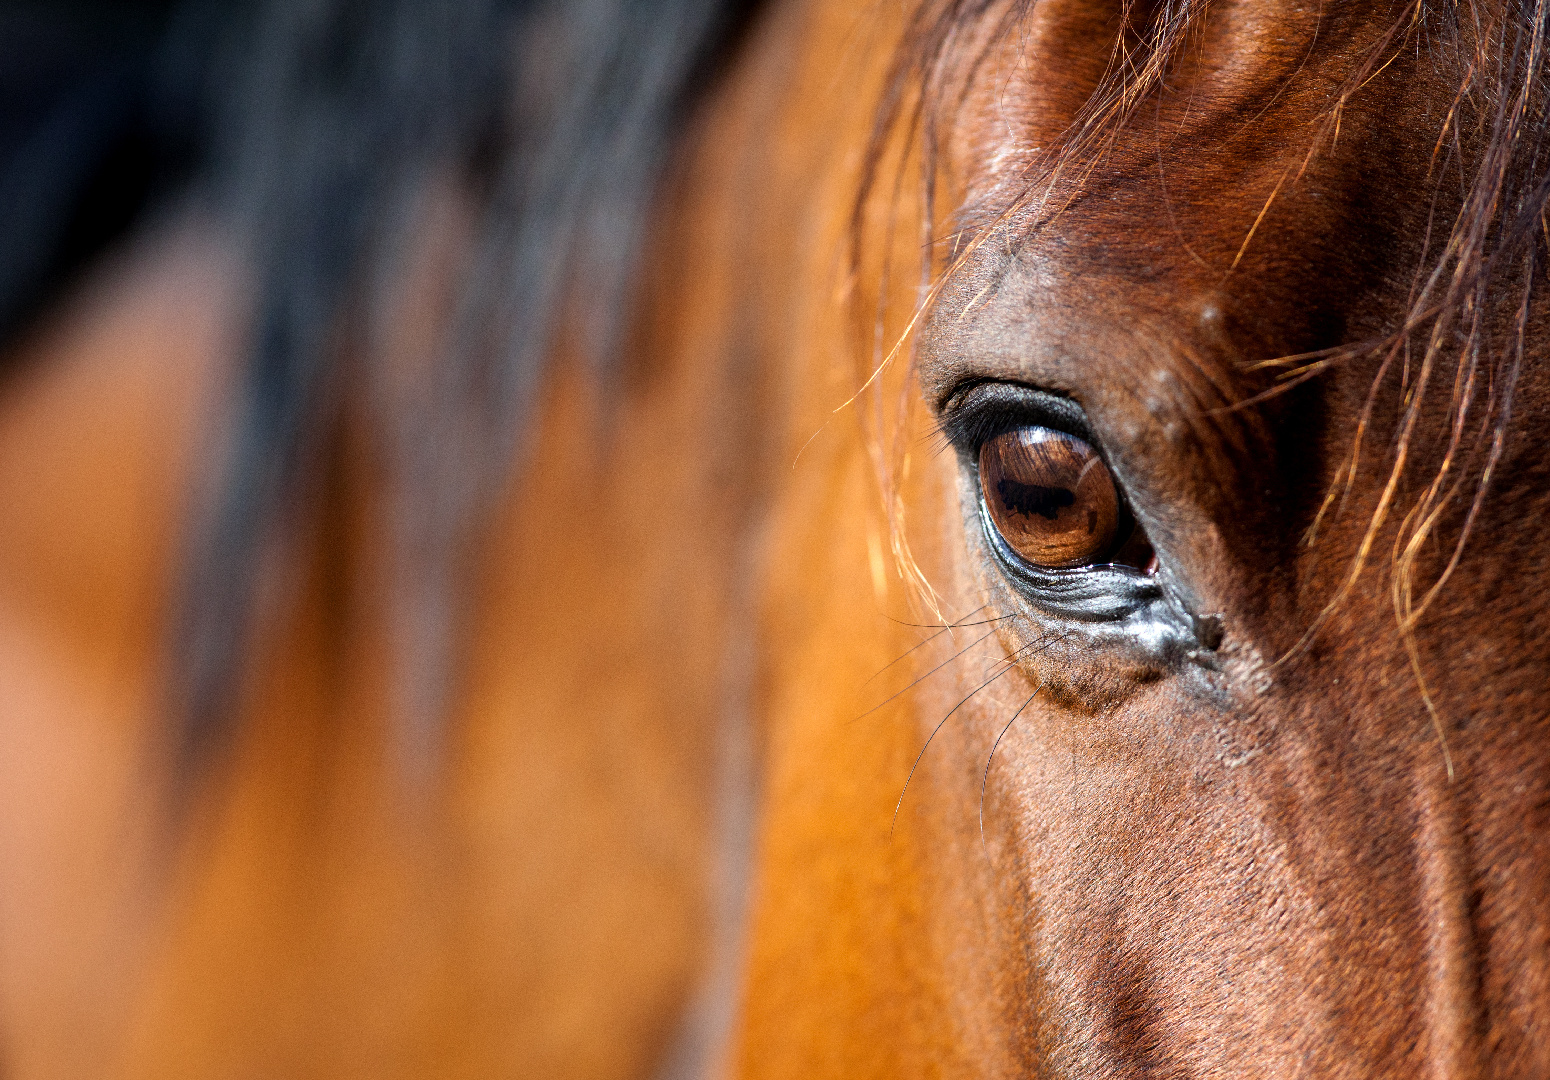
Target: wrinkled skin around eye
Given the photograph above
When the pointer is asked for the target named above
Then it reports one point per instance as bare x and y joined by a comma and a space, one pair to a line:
1050, 496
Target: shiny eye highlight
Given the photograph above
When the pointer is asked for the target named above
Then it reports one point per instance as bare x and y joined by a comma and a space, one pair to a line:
1054, 502
1048, 501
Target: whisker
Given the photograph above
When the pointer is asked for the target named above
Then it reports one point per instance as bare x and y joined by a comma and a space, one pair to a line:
927, 675
1006, 661
919, 757
985, 779
944, 628
951, 625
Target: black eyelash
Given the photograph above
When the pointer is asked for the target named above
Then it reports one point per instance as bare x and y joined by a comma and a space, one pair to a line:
977, 412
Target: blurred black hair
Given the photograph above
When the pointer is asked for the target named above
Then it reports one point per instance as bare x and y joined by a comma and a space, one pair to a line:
314, 129
78, 156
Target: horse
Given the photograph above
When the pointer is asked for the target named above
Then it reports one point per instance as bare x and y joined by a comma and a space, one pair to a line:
963, 538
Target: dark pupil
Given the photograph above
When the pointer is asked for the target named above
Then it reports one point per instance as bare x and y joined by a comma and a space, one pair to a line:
1030, 499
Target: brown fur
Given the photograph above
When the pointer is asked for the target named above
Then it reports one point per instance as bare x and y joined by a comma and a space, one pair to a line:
656, 799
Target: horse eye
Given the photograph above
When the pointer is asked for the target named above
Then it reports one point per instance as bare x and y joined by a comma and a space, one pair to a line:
1051, 497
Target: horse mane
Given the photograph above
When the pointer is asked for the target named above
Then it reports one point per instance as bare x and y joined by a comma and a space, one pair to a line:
1493, 248
313, 131
79, 157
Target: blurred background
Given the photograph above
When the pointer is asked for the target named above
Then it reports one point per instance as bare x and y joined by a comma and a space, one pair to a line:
292, 780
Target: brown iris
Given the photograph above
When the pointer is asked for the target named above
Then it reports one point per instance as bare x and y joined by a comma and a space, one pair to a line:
1050, 496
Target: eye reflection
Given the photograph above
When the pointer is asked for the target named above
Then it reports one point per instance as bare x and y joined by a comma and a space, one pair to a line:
1055, 503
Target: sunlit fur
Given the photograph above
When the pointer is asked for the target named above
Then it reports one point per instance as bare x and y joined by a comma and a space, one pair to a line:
712, 788
1480, 277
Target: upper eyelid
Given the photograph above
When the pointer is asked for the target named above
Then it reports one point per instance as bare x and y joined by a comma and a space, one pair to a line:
1022, 405
971, 414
